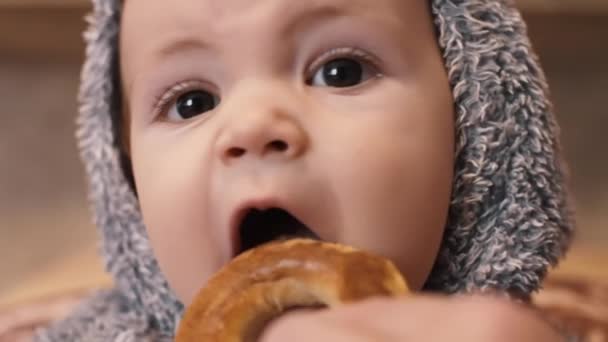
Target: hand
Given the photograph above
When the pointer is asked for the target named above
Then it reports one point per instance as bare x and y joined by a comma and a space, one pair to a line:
419, 318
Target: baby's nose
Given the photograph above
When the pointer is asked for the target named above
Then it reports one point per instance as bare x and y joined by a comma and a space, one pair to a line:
262, 135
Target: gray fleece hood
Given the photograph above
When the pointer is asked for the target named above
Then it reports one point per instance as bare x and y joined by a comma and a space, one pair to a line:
509, 219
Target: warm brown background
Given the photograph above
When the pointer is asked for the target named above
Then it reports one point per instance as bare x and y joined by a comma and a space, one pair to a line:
47, 239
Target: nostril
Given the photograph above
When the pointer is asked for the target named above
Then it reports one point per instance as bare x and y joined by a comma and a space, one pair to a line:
278, 145
272, 146
236, 152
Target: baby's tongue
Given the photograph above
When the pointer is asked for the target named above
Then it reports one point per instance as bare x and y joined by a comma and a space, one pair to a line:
299, 232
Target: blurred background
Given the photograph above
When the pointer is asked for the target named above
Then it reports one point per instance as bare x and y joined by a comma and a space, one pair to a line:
47, 240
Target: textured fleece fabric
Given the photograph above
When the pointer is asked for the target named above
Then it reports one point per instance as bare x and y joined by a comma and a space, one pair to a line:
509, 219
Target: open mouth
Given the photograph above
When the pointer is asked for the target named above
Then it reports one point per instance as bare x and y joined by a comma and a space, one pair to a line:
262, 226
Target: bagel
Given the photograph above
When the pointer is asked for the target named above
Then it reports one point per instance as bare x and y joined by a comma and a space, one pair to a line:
265, 282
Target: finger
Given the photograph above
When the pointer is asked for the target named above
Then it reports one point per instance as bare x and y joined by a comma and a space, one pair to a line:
467, 318
393, 316
329, 325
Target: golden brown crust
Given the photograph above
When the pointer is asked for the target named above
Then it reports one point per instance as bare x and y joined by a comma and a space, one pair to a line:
264, 282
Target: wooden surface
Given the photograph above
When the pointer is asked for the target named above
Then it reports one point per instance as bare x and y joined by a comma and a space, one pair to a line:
44, 4
81, 269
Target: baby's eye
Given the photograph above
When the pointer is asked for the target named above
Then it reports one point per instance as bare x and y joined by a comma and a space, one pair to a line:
191, 104
341, 73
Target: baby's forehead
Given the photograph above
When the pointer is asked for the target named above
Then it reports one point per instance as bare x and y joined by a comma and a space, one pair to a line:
221, 13
227, 19
231, 8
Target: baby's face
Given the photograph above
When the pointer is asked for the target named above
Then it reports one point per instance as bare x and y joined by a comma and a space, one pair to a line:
338, 112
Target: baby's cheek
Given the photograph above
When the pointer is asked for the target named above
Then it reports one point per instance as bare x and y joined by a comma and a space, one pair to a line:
398, 195
186, 254
174, 212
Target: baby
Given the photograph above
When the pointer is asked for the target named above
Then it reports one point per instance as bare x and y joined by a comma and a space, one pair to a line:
417, 130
